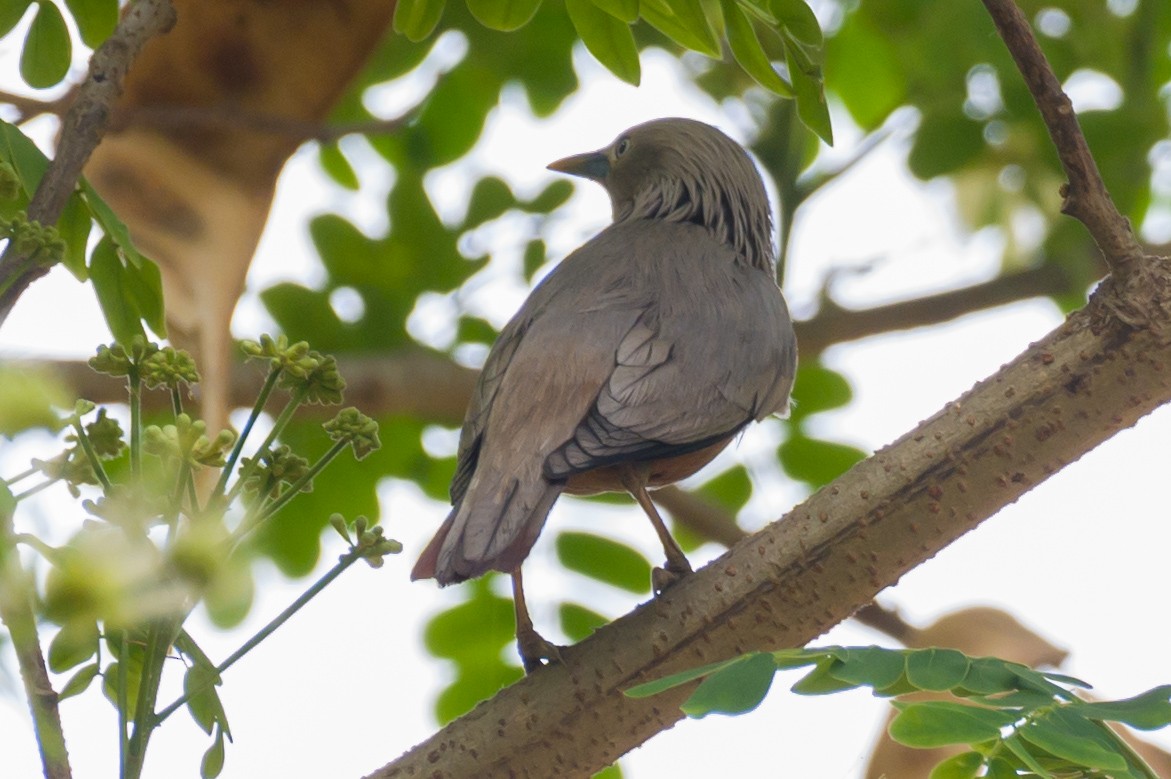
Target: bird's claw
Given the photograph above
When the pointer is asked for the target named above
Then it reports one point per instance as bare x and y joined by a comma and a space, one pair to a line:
534, 648
668, 575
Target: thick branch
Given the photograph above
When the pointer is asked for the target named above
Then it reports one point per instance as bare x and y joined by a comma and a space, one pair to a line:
83, 127
1086, 198
787, 584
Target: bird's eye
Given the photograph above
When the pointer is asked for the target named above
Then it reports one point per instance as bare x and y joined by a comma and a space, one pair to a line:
621, 147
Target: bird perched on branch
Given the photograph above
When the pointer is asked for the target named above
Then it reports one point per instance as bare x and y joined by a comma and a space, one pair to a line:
632, 365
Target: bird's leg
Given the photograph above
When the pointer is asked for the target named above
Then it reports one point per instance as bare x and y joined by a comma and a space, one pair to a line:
677, 566
533, 648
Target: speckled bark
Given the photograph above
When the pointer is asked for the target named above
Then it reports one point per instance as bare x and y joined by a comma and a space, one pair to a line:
787, 584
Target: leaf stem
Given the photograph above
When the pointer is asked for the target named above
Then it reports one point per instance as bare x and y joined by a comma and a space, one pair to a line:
94, 461
278, 427
257, 408
16, 612
344, 562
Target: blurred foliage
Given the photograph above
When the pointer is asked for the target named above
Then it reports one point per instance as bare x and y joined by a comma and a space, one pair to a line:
147, 546
976, 127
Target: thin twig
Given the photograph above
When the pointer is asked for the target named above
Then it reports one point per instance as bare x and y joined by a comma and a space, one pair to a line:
30, 107
1086, 198
83, 127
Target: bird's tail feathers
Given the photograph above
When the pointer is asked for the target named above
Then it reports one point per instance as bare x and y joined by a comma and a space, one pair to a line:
492, 528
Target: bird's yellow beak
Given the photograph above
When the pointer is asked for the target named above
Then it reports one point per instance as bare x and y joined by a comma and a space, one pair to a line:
594, 165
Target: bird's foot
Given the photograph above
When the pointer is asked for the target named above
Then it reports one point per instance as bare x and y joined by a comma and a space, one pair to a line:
669, 574
534, 649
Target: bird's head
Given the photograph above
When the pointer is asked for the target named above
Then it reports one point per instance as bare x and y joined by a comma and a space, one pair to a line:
684, 171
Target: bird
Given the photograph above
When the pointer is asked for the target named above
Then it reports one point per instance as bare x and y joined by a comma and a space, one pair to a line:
631, 365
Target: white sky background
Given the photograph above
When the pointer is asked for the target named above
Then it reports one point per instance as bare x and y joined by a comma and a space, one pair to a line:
346, 685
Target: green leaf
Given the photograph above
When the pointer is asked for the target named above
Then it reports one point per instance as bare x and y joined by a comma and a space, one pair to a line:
799, 21
817, 462
490, 198
799, 658
734, 689
74, 227
109, 277
989, 676
818, 388
1148, 711
451, 121
1065, 734
822, 680
200, 683
534, 257
731, 489
965, 765
1066, 679
945, 143
939, 723
609, 39
1000, 768
75, 642
96, 19
12, 11
483, 625
810, 92
684, 22
1021, 751
113, 227
626, 10
936, 669
869, 79
578, 622
605, 560
647, 689
872, 665
79, 682
47, 48
505, 15
415, 19
551, 197
213, 759
337, 167
29, 398
748, 52
144, 285
28, 160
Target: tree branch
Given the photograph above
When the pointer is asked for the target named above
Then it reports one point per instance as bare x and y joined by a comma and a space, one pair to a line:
1086, 198
235, 118
834, 324
412, 382
30, 107
784, 586
83, 127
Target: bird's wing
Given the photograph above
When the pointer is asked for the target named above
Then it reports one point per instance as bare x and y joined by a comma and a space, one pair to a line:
712, 349
480, 407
